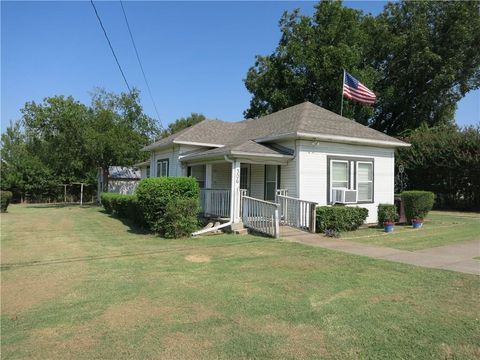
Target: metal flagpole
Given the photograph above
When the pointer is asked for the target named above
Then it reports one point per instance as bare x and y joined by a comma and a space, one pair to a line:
343, 83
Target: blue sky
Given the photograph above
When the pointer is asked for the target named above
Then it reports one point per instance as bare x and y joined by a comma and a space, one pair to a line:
195, 54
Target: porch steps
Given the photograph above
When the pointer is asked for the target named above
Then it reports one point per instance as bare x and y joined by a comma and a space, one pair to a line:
238, 229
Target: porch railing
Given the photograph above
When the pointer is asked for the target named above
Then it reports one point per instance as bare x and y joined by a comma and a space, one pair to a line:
261, 216
297, 213
215, 202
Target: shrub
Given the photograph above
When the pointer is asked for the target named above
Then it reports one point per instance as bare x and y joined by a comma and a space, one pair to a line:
417, 203
340, 218
180, 218
157, 197
5, 197
123, 206
387, 212
106, 200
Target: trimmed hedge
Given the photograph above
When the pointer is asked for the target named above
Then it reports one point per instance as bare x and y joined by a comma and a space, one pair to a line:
164, 201
123, 206
5, 197
387, 212
417, 203
340, 218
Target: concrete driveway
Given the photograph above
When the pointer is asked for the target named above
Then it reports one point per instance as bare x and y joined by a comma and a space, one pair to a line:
458, 257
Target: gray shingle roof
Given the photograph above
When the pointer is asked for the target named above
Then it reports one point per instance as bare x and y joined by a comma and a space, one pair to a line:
301, 119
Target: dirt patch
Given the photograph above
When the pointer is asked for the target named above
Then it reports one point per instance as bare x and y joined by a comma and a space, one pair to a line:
27, 287
51, 343
198, 258
140, 310
179, 345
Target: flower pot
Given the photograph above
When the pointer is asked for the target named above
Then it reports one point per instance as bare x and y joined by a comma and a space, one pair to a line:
388, 228
417, 225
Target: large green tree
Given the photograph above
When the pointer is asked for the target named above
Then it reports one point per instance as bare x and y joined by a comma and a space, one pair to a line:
420, 58
118, 129
181, 124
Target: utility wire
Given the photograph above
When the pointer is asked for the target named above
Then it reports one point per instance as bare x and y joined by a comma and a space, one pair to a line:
140, 62
110, 44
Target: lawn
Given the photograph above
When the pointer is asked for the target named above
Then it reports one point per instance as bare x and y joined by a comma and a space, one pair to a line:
77, 283
440, 228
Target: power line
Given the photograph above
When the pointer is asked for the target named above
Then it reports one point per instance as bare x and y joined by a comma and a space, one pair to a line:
110, 44
140, 62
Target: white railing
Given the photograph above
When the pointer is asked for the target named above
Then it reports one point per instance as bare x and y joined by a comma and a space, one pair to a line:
261, 216
297, 213
215, 202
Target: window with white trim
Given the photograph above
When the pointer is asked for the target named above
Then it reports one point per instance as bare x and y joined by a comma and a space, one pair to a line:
352, 174
339, 174
198, 172
162, 167
365, 181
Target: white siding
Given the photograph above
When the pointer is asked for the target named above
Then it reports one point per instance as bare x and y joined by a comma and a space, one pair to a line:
288, 173
312, 162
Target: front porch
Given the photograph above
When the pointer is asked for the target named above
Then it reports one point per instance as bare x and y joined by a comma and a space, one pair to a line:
254, 198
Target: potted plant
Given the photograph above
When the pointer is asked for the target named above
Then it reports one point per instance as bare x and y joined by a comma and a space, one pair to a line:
388, 225
417, 222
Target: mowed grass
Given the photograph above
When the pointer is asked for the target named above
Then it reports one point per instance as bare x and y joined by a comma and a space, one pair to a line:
440, 228
79, 284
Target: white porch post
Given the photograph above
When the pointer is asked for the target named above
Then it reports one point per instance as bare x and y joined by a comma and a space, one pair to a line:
235, 192
208, 176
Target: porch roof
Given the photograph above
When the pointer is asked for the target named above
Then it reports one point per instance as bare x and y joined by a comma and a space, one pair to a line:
248, 148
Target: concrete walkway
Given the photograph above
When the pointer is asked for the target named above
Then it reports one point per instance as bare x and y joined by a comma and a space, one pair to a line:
457, 257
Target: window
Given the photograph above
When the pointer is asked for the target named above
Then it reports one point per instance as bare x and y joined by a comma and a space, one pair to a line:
244, 178
199, 173
352, 174
365, 181
148, 172
340, 174
271, 181
162, 167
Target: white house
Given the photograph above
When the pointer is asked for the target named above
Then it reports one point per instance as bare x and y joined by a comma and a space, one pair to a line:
303, 152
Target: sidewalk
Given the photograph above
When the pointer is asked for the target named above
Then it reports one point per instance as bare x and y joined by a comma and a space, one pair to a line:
457, 257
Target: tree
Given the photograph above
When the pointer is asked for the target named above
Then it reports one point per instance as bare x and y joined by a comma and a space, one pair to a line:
420, 58
55, 133
445, 160
182, 123
309, 60
429, 58
117, 131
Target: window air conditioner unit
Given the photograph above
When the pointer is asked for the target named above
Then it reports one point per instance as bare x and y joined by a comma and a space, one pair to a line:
344, 196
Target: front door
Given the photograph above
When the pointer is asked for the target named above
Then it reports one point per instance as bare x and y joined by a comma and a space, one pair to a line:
271, 182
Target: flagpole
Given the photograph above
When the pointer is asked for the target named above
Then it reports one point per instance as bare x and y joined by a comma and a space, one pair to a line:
343, 83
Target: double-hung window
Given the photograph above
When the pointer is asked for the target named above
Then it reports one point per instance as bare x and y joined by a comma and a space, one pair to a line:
162, 167
365, 181
349, 173
339, 174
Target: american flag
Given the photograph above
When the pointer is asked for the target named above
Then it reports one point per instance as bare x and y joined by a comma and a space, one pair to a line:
355, 90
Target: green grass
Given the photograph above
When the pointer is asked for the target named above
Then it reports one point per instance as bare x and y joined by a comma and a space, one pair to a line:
77, 283
440, 228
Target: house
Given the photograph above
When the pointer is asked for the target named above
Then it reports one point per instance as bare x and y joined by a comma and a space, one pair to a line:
122, 180
304, 156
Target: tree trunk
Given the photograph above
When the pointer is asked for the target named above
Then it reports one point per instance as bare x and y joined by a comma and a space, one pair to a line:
105, 174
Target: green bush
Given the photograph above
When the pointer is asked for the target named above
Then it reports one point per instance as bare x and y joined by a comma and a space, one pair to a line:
5, 197
180, 218
123, 206
417, 203
340, 218
157, 197
106, 200
387, 212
